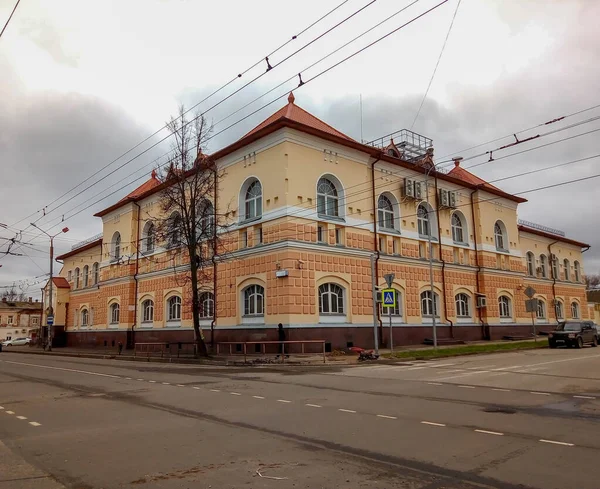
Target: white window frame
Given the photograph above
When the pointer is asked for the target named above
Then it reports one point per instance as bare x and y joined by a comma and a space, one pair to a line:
544, 265
174, 310
397, 312
386, 213
577, 270
500, 236
115, 314
505, 308
77, 278
207, 305
149, 237
575, 310
462, 302
332, 295
559, 310
541, 313
147, 312
175, 236
427, 308
530, 259
458, 230
85, 318
253, 304
423, 221
567, 270
86, 276
96, 272
116, 246
253, 200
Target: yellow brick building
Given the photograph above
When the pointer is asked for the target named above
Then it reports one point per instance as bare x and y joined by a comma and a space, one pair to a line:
309, 206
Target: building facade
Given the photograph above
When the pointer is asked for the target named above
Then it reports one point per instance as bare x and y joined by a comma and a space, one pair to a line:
307, 208
19, 318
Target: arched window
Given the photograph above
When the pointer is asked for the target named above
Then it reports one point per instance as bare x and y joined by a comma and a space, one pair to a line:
331, 299
96, 273
504, 304
253, 201
86, 276
175, 224
554, 265
328, 203
148, 237
397, 310
559, 309
500, 237
429, 306
530, 263
540, 313
385, 213
77, 278
544, 266
205, 217
577, 269
458, 227
116, 246
463, 309
174, 308
207, 305
423, 221
392, 152
254, 301
148, 311
85, 318
567, 267
575, 310
115, 311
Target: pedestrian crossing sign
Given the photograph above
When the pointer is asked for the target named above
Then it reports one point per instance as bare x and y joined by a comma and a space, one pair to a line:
389, 298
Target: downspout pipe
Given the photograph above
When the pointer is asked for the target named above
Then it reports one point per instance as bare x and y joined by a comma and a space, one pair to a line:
135, 276
376, 244
553, 278
441, 257
214, 260
478, 284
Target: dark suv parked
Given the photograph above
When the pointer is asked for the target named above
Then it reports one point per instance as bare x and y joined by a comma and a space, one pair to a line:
573, 333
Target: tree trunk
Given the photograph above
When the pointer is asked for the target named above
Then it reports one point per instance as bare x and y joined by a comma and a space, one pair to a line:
200, 349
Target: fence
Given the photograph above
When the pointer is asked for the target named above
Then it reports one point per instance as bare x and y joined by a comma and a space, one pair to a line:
165, 350
241, 348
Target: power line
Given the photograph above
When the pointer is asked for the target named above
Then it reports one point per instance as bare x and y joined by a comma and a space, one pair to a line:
10, 17
436, 65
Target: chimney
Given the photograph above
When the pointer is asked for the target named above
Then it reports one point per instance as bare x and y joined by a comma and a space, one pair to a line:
30, 300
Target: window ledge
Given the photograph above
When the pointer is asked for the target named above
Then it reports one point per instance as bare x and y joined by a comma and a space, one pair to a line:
427, 238
429, 320
506, 320
113, 325
243, 222
173, 324
146, 325
460, 243
392, 231
330, 218
253, 319
464, 320
332, 318
541, 321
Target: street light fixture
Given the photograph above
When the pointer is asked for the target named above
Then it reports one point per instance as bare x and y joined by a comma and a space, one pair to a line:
50, 308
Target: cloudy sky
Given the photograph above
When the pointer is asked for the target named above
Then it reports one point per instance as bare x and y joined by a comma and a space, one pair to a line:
81, 83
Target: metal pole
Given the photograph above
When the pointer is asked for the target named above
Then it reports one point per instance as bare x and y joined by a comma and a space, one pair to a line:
433, 308
533, 325
374, 284
391, 331
50, 308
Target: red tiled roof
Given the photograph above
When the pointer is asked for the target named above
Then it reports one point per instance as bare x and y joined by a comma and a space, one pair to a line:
144, 188
294, 113
61, 282
527, 229
467, 176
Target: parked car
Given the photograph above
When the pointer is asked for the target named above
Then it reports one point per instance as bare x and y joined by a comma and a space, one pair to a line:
17, 342
574, 333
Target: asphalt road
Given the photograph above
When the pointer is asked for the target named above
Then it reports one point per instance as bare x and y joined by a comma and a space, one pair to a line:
522, 419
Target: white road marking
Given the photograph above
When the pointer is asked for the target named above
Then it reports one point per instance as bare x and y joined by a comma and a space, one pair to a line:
587, 357
65, 369
258, 397
215, 390
313, 405
152, 381
482, 367
416, 368
386, 417
21, 417
461, 375
490, 432
558, 443
141, 380
347, 411
501, 390
540, 393
434, 383
1, 408
33, 423
235, 393
180, 385
128, 378
283, 400
197, 388
166, 383
442, 365
466, 386
9, 412
443, 372
508, 368
584, 397
430, 423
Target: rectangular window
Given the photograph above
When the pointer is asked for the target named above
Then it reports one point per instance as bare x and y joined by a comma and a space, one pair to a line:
244, 239
10, 320
69, 275
422, 250
456, 255
339, 238
382, 246
34, 320
395, 246
320, 234
258, 236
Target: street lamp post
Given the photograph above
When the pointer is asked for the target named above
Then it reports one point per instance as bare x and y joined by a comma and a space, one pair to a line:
50, 308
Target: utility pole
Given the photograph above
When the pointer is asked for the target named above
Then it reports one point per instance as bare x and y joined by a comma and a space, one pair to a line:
50, 308
374, 284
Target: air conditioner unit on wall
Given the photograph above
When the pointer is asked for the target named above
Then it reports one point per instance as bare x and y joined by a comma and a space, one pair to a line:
452, 199
409, 187
444, 197
481, 301
418, 190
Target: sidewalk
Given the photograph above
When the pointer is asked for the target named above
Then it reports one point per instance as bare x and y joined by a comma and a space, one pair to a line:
16, 473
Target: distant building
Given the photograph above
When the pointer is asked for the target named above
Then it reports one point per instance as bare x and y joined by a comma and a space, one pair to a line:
309, 206
593, 298
19, 318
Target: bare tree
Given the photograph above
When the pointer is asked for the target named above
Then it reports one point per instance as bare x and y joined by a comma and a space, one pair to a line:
189, 223
12, 295
592, 281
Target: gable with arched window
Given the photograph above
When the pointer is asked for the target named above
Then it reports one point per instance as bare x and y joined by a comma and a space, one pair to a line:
115, 247
148, 237
251, 200
207, 305
459, 227
500, 236
577, 271
387, 215
426, 223
505, 307
567, 270
329, 197
530, 257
